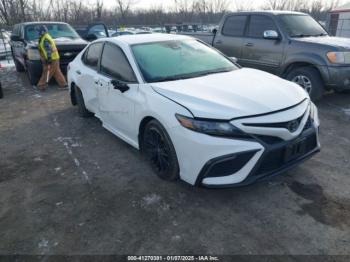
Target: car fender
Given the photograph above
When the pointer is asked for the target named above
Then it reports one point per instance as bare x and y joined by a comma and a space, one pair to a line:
306, 58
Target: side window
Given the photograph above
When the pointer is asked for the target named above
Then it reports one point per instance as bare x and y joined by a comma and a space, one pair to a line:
258, 24
92, 55
234, 25
115, 64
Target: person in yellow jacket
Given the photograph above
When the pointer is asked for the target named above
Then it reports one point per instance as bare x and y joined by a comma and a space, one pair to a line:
50, 59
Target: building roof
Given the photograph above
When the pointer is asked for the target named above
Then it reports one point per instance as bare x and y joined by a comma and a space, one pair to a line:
343, 8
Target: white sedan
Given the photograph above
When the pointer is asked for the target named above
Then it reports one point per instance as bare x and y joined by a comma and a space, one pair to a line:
194, 113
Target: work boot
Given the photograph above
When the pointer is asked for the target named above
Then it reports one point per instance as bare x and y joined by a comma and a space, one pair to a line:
39, 88
63, 87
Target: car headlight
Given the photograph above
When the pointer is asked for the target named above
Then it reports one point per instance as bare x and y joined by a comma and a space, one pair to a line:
211, 127
33, 54
339, 57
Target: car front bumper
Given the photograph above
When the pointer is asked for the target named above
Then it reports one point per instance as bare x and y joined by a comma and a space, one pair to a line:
35, 67
339, 77
271, 163
223, 162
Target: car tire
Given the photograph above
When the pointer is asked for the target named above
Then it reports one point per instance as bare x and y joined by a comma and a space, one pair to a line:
346, 91
159, 151
310, 79
83, 112
33, 79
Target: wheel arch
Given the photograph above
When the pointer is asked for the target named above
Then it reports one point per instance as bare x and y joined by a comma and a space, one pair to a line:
73, 98
142, 126
292, 66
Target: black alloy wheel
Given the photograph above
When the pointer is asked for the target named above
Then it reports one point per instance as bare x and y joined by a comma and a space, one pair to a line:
159, 151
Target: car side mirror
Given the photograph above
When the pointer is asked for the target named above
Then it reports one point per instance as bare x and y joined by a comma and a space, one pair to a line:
121, 86
234, 59
91, 37
15, 38
271, 34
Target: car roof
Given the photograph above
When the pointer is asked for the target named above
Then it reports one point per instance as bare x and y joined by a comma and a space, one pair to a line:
43, 22
271, 12
146, 38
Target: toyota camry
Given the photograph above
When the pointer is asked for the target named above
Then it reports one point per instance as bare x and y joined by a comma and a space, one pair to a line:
194, 113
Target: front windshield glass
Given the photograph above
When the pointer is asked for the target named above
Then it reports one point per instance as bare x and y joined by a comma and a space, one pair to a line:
301, 26
173, 60
55, 30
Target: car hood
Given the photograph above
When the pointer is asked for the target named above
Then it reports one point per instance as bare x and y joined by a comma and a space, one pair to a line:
63, 41
242, 92
339, 42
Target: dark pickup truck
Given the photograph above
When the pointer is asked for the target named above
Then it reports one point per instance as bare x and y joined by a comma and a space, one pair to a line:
291, 45
25, 52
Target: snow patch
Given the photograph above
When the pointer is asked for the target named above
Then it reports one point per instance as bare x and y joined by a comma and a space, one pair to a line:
43, 243
151, 199
346, 111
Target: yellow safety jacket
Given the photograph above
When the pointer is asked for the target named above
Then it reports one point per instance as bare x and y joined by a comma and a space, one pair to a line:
47, 48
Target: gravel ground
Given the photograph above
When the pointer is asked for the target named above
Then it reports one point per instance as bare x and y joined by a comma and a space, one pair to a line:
68, 186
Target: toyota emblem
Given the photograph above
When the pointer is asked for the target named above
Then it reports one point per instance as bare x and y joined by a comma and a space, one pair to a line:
292, 126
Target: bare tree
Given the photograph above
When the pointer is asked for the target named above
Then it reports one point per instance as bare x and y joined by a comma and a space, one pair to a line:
243, 5
182, 11
124, 8
99, 9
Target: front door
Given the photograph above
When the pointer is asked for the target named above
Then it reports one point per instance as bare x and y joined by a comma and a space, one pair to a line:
116, 108
258, 52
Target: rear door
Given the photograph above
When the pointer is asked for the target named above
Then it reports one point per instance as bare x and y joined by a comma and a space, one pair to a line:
258, 52
229, 40
88, 77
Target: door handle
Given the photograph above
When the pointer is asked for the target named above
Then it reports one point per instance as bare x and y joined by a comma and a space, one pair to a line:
249, 44
219, 42
78, 72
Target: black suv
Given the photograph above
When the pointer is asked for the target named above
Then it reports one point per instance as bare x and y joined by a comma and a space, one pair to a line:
25, 52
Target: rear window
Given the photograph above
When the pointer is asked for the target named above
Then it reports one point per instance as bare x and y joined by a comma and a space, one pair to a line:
234, 25
92, 55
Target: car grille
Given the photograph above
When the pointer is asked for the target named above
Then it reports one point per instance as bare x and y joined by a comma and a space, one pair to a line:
68, 56
269, 139
274, 159
276, 125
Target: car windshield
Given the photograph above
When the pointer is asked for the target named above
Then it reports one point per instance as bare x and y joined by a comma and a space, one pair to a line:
302, 26
174, 60
55, 30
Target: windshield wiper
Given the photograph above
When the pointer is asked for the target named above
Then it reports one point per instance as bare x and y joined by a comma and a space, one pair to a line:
167, 78
70, 37
321, 34
191, 75
301, 35
214, 72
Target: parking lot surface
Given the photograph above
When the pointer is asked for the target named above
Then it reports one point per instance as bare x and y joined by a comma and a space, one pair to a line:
68, 186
